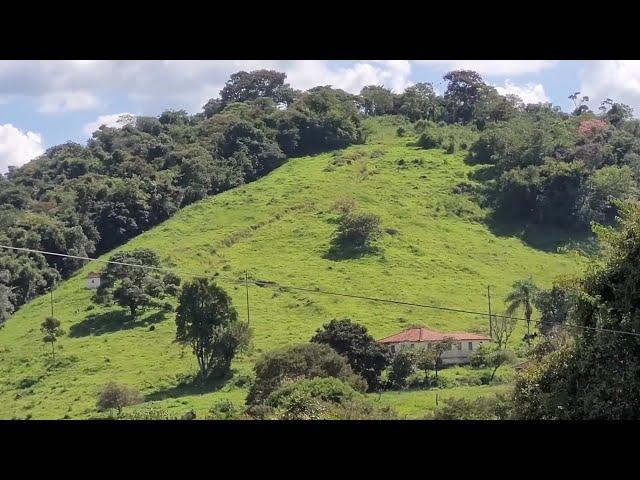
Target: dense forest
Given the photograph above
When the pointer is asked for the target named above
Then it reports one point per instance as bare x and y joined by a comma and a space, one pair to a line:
543, 166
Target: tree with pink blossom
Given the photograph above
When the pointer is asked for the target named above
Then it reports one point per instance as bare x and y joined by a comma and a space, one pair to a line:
593, 129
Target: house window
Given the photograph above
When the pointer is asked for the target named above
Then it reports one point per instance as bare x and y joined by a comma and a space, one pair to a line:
393, 349
411, 345
459, 345
470, 346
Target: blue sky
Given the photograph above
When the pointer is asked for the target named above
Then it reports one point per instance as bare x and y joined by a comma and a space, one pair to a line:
44, 103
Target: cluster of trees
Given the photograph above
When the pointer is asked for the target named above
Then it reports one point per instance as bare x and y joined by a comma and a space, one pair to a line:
549, 167
466, 100
566, 170
593, 373
86, 200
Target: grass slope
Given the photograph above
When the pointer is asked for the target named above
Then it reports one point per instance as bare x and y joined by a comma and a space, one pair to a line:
278, 228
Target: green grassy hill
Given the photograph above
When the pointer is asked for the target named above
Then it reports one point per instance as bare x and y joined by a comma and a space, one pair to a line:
436, 250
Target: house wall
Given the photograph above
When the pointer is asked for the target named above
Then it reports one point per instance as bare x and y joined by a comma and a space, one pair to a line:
449, 357
93, 282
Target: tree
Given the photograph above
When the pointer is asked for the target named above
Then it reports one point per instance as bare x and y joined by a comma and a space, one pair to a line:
376, 100
522, 295
464, 90
308, 360
580, 104
136, 288
425, 361
420, 101
496, 357
6, 304
207, 321
503, 327
118, 396
51, 329
245, 86
554, 306
366, 357
402, 365
357, 230
439, 348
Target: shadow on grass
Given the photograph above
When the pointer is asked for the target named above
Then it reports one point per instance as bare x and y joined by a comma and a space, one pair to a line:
484, 173
338, 252
110, 322
190, 386
541, 237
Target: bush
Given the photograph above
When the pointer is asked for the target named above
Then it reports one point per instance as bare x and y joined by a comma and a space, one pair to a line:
308, 360
326, 389
481, 408
366, 357
429, 140
155, 413
323, 398
344, 205
223, 410
401, 131
451, 147
118, 396
358, 230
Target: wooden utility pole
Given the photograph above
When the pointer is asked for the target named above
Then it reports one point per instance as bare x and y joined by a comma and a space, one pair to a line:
246, 285
490, 320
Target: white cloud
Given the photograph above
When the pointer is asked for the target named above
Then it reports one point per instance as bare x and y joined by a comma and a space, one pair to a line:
116, 120
18, 147
615, 79
158, 84
69, 101
529, 93
492, 67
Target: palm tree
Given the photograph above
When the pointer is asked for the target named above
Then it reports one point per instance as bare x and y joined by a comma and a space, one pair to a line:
521, 297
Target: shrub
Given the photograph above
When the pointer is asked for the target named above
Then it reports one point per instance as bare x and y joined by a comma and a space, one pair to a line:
481, 408
118, 396
358, 230
365, 356
328, 389
308, 360
324, 398
401, 131
429, 140
344, 205
451, 147
223, 410
155, 413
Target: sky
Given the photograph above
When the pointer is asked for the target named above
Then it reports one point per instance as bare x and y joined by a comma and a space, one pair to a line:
45, 103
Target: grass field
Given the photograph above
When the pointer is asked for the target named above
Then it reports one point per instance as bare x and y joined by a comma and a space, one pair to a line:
436, 250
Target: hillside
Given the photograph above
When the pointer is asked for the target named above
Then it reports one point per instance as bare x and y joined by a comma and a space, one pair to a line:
437, 250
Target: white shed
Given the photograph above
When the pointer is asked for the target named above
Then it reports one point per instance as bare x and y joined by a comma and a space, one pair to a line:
93, 280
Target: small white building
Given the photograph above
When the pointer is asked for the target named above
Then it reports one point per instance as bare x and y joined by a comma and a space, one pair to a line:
464, 344
93, 280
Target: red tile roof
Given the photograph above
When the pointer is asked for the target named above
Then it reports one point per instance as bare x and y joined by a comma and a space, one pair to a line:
424, 335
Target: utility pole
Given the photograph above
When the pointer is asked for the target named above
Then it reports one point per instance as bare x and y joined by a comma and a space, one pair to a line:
490, 320
246, 286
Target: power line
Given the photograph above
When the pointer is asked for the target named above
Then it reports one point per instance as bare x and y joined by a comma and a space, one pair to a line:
265, 283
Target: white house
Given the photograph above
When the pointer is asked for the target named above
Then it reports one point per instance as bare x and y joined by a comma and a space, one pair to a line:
464, 344
93, 280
